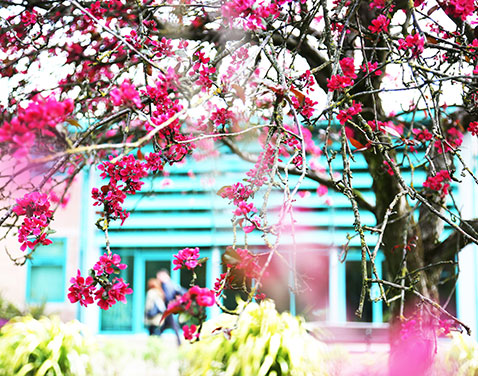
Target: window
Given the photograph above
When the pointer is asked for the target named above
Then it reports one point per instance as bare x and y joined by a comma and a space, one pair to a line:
120, 316
46, 273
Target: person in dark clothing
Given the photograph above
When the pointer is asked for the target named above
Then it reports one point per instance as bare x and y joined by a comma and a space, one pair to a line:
171, 291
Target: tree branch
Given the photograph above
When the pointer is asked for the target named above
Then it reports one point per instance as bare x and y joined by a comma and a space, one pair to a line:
448, 248
336, 186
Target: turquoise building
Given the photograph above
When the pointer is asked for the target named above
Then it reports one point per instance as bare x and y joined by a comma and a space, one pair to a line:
183, 210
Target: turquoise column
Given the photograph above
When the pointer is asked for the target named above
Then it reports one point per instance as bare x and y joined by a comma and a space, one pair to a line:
377, 307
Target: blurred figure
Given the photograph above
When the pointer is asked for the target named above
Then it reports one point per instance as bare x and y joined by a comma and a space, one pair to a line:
154, 307
171, 290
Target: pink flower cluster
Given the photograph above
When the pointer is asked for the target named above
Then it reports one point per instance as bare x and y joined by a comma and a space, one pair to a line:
243, 208
439, 182
108, 264
204, 70
222, 116
126, 94
473, 128
345, 115
29, 18
192, 303
305, 107
222, 282
39, 118
460, 8
249, 14
163, 47
257, 176
307, 81
338, 82
413, 42
379, 24
236, 192
454, 138
248, 263
125, 176
190, 332
422, 135
348, 67
81, 290
371, 68
36, 209
379, 4
99, 285
186, 257
163, 96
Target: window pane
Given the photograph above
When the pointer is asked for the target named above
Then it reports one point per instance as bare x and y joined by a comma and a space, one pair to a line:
187, 275
46, 283
353, 289
240, 285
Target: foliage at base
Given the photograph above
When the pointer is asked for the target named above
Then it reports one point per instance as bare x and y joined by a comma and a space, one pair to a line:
44, 347
262, 342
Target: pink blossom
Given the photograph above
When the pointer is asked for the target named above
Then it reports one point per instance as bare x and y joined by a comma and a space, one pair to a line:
379, 24
203, 71
345, 115
439, 182
190, 332
371, 68
119, 290
36, 209
249, 14
305, 107
473, 128
257, 176
248, 263
38, 118
205, 297
222, 116
125, 177
243, 208
126, 94
422, 135
108, 264
338, 82
81, 290
460, 8
322, 190
236, 192
348, 67
379, 4
108, 294
186, 257
413, 42
454, 138
29, 18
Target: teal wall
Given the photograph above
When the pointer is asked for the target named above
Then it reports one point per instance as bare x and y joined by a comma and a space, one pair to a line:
183, 210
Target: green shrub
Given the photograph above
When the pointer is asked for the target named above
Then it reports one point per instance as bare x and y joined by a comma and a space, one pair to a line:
44, 347
263, 342
461, 358
9, 310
